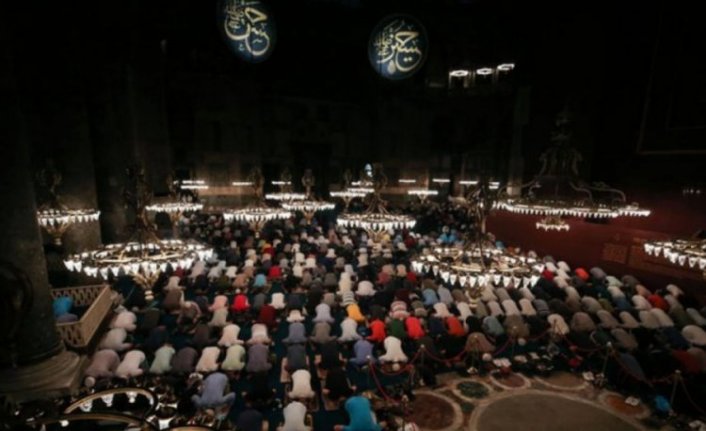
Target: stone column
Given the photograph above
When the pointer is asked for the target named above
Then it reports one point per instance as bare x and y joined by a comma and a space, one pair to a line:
33, 362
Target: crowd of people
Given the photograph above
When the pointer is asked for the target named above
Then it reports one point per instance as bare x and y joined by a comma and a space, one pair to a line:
303, 319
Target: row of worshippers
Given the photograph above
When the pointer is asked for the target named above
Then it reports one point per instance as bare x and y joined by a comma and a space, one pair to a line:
375, 304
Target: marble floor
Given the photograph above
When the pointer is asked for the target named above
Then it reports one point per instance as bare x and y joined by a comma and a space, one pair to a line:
560, 402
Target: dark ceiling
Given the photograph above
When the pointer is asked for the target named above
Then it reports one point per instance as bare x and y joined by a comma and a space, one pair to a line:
595, 57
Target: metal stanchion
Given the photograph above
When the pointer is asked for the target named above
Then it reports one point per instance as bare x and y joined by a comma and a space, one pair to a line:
677, 380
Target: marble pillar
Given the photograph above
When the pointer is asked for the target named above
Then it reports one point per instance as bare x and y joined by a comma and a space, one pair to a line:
33, 361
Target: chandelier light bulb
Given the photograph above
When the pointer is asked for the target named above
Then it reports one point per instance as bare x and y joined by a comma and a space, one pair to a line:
459, 73
308, 206
285, 196
422, 192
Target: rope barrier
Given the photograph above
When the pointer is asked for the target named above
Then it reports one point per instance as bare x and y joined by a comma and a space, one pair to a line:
503, 348
688, 397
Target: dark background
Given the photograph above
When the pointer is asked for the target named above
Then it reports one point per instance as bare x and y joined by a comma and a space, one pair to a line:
105, 83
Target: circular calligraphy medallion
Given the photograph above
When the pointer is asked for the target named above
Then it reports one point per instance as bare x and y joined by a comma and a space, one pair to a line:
248, 28
398, 47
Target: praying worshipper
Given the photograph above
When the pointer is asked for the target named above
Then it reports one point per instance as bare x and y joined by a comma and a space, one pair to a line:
696, 317
330, 356
202, 336
296, 335
418, 308
103, 366
414, 328
396, 328
464, 310
219, 318
229, 335
336, 386
398, 310
259, 334
173, 283
349, 331
258, 358
607, 321
558, 324
377, 331
156, 339
184, 361
162, 362
240, 304
323, 314
294, 418
492, 326
259, 300
126, 320
354, 313
393, 351
295, 315
213, 392
173, 301
277, 301
477, 342
267, 316
234, 360
251, 420
131, 365
295, 302
115, 340
220, 301
150, 319
454, 327
189, 313
301, 385
261, 394
208, 361
361, 416
296, 358
628, 321
430, 297
365, 289
694, 335
516, 327
363, 353
321, 333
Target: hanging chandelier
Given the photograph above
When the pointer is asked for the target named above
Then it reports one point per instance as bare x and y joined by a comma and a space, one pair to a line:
347, 196
53, 216
310, 206
480, 198
555, 223
558, 191
347, 193
422, 194
149, 405
473, 266
144, 256
285, 193
376, 220
181, 201
175, 207
258, 214
683, 252
477, 261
